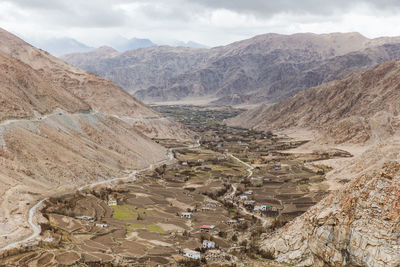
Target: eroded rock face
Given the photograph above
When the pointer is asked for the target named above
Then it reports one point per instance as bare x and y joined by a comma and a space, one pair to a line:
356, 226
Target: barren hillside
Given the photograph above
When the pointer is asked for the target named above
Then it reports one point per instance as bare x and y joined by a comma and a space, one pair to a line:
24, 90
99, 93
357, 108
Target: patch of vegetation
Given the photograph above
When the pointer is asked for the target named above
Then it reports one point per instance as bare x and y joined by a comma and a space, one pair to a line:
155, 229
127, 212
133, 227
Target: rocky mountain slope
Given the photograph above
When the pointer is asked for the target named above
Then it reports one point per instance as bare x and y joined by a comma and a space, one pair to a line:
61, 127
356, 226
360, 107
140, 68
266, 68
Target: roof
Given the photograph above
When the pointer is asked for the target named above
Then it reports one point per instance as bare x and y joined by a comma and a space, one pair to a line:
207, 227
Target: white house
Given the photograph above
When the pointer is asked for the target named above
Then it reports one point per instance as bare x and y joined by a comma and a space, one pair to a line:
262, 208
243, 197
187, 215
208, 244
250, 192
191, 254
112, 202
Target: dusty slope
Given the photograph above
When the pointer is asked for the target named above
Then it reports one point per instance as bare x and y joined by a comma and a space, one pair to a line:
24, 91
100, 94
266, 68
358, 108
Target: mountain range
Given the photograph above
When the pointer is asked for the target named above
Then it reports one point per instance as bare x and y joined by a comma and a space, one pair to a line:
266, 68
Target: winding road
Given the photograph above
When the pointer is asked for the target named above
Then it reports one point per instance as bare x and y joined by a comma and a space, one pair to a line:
35, 227
249, 170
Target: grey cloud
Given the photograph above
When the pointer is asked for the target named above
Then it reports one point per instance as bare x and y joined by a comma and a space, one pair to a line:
270, 7
98, 13
182, 19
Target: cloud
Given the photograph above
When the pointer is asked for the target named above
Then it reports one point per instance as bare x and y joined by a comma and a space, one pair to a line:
86, 14
264, 8
212, 22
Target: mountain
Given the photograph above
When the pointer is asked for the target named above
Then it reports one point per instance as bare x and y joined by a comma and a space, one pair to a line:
358, 108
266, 68
61, 46
189, 44
140, 68
123, 44
61, 127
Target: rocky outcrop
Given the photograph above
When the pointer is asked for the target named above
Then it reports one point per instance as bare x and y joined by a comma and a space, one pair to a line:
266, 68
358, 225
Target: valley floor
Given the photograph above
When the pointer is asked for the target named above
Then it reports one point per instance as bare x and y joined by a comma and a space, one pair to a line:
213, 200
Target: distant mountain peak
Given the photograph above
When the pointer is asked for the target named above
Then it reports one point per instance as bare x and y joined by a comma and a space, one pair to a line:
61, 45
105, 49
123, 44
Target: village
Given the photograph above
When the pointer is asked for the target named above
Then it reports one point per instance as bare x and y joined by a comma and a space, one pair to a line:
211, 207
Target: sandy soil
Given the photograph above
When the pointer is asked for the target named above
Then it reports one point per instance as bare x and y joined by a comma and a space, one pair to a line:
198, 101
366, 157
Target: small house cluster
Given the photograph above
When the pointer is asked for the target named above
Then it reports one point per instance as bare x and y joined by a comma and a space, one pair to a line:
191, 254
261, 208
186, 215
207, 244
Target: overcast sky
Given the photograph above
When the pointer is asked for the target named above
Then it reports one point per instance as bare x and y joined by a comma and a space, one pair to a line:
210, 22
